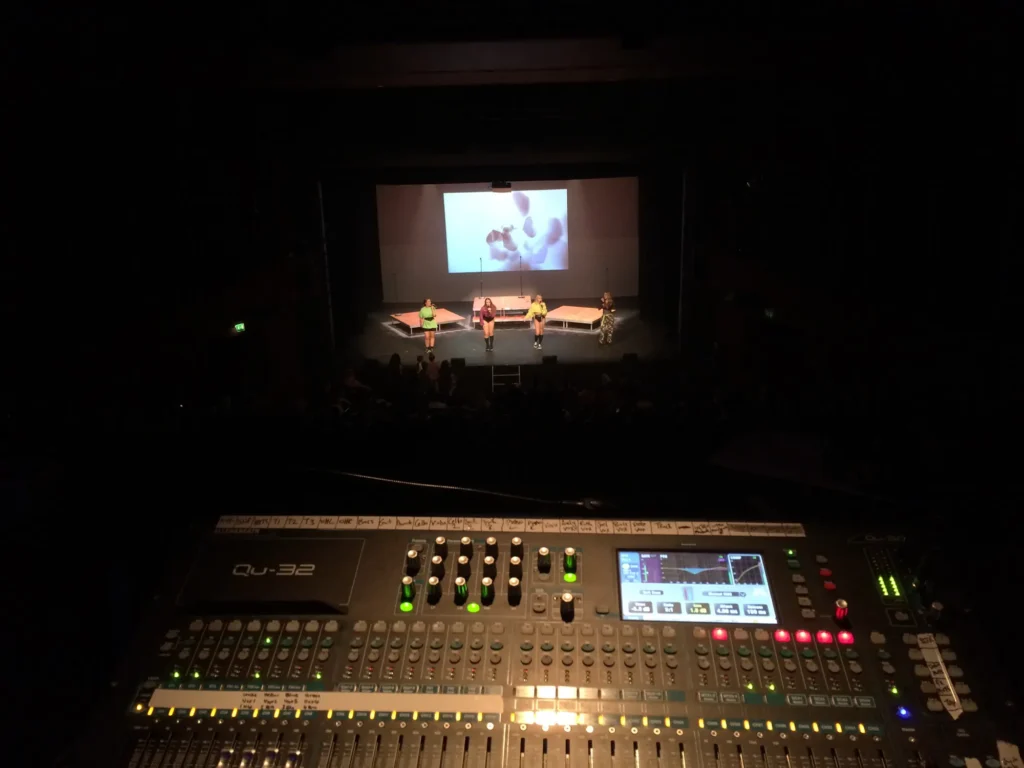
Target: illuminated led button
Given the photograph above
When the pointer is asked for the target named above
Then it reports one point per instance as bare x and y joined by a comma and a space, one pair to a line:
824, 636
782, 636
830, 586
719, 634
803, 636
825, 573
845, 638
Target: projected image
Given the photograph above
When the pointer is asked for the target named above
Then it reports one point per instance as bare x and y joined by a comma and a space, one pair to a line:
497, 231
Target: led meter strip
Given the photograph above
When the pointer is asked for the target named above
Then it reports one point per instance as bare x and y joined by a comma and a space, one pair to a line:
940, 675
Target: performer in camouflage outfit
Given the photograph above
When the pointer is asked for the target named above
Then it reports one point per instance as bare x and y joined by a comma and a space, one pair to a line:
607, 319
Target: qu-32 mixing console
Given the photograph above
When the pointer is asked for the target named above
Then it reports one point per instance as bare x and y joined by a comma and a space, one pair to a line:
433, 642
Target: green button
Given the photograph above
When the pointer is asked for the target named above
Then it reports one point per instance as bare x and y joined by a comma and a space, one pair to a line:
327, 642
587, 647
669, 649
377, 642
567, 647
829, 653
794, 564
786, 653
547, 647
743, 650
884, 655
765, 652
287, 642
648, 648
722, 650
851, 654
608, 648
497, 645
307, 642
526, 646
455, 645
700, 649
807, 653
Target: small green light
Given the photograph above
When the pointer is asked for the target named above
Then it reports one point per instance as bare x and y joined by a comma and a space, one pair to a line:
175, 674
569, 577
257, 675
750, 686
196, 674
894, 691
473, 608
405, 607
771, 686
268, 641
319, 675
790, 552
239, 327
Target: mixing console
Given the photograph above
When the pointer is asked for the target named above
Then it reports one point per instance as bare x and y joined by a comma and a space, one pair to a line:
416, 642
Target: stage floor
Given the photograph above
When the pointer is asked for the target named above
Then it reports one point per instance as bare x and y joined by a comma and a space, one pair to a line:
514, 345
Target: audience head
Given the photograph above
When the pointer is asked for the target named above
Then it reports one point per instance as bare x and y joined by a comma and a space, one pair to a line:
431, 357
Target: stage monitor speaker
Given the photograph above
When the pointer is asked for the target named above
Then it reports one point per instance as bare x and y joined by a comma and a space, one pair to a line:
549, 359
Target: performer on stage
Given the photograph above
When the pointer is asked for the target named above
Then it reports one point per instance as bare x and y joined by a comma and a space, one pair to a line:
607, 307
538, 311
428, 322
487, 314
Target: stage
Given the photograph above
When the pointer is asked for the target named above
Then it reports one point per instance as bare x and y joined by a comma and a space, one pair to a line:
570, 340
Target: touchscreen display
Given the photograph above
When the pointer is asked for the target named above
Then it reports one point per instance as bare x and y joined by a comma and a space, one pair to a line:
718, 587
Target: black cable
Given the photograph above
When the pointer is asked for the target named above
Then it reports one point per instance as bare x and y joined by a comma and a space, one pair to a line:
440, 487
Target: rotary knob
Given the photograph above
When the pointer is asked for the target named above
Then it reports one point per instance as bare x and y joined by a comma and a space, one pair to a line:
491, 547
437, 567
515, 591
569, 560
517, 547
462, 569
490, 567
842, 611
408, 589
568, 606
412, 562
441, 547
461, 590
433, 590
486, 590
466, 547
515, 567
544, 560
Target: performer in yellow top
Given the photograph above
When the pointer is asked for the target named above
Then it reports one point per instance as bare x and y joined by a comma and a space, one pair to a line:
538, 311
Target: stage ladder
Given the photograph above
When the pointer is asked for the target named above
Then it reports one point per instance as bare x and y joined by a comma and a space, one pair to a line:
505, 379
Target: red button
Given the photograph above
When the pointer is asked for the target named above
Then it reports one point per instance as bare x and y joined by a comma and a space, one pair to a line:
825, 572
803, 636
830, 586
845, 638
720, 634
781, 636
824, 636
